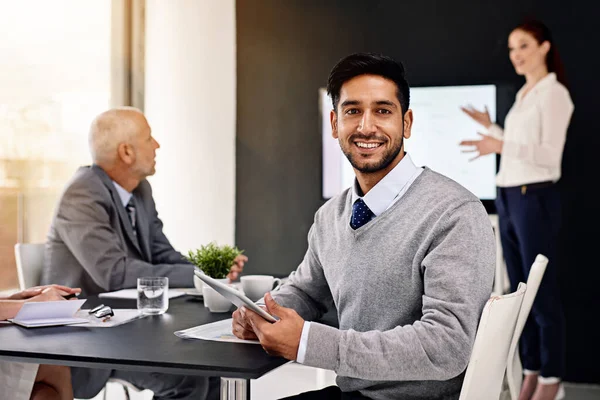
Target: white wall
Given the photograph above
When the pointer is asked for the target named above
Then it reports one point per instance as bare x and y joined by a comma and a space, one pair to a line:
190, 104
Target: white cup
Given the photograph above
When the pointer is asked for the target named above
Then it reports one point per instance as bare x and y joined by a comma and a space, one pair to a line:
214, 301
255, 286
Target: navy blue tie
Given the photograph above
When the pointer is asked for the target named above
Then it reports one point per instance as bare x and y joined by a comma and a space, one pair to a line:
361, 214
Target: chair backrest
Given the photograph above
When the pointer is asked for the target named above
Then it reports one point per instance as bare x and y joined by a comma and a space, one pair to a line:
487, 365
514, 368
30, 260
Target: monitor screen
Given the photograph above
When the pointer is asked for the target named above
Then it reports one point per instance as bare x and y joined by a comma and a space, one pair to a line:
438, 126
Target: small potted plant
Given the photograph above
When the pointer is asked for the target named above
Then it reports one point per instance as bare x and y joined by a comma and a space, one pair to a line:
215, 261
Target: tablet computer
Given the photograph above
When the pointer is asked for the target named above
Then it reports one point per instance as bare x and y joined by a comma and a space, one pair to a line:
233, 295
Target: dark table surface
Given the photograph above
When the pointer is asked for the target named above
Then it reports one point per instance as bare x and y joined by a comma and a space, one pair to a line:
146, 344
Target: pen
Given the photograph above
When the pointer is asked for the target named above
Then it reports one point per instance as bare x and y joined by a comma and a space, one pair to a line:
71, 296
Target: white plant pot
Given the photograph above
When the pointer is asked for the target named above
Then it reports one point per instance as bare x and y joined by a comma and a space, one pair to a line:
198, 284
214, 301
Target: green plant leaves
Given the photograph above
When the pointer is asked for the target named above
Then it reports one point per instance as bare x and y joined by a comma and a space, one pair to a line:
214, 260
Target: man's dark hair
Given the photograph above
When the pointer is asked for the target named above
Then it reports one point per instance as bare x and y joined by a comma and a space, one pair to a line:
368, 64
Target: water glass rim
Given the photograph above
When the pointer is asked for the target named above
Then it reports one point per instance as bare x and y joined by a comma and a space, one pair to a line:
153, 280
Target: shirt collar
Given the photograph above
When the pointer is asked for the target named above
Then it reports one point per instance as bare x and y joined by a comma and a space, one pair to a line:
385, 191
545, 81
124, 195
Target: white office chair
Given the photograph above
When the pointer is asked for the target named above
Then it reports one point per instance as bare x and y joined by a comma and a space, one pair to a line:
487, 365
30, 261
514, 368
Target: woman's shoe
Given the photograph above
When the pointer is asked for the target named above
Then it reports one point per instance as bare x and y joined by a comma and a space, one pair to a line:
561, 392
545, 392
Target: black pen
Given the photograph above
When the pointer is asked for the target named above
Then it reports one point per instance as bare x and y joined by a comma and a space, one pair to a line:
71, 296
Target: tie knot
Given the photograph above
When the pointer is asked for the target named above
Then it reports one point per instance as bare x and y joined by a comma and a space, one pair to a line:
361, 214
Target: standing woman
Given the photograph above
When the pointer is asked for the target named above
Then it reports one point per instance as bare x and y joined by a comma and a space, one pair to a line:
528, 201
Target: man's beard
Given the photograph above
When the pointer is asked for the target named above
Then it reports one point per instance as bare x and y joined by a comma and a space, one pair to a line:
144, 171
385, 161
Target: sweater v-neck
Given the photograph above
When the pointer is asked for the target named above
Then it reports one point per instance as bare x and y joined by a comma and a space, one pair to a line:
384, 215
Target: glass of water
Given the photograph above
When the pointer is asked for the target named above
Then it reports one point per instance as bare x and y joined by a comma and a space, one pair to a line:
153, 295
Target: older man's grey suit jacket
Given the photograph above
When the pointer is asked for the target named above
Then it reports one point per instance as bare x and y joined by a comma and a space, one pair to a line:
91, 243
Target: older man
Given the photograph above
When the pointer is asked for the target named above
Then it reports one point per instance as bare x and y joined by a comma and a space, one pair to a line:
106, 233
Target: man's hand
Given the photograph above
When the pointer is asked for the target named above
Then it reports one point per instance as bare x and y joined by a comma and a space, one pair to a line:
241, 327
37, 290
237, 267
281, 338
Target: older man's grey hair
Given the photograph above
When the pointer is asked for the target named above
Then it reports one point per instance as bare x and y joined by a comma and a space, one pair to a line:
110, 129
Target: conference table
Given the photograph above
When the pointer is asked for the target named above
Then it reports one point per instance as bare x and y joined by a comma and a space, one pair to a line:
146, 344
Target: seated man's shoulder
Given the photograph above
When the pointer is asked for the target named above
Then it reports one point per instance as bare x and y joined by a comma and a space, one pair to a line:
439, 196
439, 189
86, 182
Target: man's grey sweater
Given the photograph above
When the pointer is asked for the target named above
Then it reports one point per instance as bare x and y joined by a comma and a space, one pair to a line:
409, 288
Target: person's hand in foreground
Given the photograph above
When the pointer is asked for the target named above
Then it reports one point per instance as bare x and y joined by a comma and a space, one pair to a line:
48, 291
281, 338
10, 306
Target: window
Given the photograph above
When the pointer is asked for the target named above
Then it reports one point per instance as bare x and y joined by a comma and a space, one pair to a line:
55, 74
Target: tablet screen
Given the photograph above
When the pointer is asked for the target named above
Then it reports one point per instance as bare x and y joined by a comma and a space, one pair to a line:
233, 295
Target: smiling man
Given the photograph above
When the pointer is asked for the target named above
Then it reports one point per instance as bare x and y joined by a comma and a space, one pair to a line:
406, 255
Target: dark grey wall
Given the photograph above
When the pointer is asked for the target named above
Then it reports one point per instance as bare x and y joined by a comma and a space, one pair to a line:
285, 49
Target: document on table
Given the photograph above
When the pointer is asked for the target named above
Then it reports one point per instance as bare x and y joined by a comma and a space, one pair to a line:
122, 316
219, 331
131, 294
49, 313
189, 291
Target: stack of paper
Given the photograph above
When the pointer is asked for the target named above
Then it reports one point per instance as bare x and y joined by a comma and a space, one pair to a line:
49, 313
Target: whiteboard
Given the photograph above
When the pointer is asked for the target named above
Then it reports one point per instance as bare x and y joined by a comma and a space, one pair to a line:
438, 126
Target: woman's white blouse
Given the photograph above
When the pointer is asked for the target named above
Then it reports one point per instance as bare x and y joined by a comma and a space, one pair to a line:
534, 135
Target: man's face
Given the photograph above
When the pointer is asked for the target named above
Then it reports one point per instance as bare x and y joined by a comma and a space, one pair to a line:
144, 147
369, 124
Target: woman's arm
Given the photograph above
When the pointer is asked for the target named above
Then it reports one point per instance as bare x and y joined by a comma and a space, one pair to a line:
10, 306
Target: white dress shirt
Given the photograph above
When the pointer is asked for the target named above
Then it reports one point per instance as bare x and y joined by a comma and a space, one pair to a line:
381, 197
124, 195
534, 134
